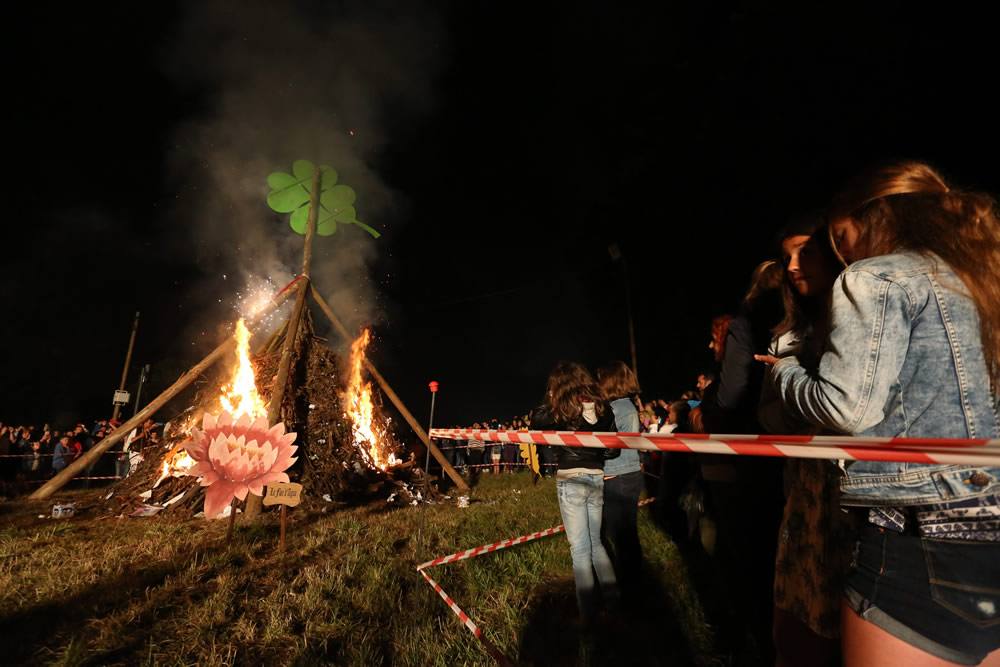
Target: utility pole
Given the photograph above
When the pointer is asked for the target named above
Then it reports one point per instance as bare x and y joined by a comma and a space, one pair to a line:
143, 376
128, 359
616, 255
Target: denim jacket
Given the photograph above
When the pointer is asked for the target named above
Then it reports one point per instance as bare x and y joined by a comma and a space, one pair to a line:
627, 421
904, 359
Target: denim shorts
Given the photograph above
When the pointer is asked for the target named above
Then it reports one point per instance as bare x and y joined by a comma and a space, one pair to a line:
942, 596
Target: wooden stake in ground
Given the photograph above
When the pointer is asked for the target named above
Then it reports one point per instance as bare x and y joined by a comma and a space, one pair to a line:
91, 456
281, 542
286, 495
407, 415
232, 521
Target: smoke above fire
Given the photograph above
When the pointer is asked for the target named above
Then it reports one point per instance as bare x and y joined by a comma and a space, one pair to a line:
276, 82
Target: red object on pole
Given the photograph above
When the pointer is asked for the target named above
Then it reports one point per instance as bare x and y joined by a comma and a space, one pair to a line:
433, 386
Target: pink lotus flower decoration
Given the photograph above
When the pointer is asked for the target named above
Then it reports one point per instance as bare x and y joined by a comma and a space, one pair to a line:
234, 458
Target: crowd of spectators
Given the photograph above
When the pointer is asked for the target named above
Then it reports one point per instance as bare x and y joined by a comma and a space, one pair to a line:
876, 317
656, 416
493, 458
29, 454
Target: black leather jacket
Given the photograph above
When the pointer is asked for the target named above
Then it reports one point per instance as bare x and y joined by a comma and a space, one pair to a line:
577, 457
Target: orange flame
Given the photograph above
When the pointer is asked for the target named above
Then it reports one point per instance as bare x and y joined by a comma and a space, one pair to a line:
177, 463
361, 410
240, 396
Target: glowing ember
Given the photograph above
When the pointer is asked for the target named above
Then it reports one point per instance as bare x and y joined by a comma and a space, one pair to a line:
258, 293
240, 396
360, 409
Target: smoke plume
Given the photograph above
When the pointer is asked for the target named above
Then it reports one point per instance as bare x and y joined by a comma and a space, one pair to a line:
276, 82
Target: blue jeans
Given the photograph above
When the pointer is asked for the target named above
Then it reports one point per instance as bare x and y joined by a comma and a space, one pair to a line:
581, 501
620, 525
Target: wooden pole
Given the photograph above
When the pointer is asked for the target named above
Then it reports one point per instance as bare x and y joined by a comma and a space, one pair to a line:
284, 512
268, 346
128, 360
407, 415
253, 506
311, 222
430, 427
254, 503
631, 324
232, 521
91, 456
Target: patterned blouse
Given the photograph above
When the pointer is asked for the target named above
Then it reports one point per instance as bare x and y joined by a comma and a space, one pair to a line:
814, 546
976, 519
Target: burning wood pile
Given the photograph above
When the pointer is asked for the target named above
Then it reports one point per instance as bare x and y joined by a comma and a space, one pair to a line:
346, 449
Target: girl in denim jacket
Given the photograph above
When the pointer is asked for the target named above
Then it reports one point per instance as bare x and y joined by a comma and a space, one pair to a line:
914, 351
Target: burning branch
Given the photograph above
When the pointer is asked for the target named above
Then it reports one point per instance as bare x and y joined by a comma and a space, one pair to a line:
369, 438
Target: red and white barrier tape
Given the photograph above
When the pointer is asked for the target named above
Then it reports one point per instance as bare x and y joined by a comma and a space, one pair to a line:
478, 551
33, 455
462, 616
906, 450
490, 548
503, 544
490, 465
75, 479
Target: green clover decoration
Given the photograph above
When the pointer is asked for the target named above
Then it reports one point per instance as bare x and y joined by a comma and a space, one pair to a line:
290, 193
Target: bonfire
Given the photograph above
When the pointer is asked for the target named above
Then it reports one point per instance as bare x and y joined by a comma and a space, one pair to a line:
224, 447
345, 448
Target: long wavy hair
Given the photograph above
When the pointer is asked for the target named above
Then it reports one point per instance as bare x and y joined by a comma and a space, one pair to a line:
908, 205
569, 385
720, 329
617, 380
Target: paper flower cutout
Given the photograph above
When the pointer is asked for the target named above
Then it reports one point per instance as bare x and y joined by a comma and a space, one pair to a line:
290, 194
234, 458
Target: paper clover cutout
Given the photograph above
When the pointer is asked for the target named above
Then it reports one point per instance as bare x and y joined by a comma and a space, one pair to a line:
290, 193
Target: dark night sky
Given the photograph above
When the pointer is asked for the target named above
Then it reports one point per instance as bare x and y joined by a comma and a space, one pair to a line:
686, 134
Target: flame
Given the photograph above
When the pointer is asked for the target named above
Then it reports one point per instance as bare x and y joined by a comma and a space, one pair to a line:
177, 463
361, 410
240, 396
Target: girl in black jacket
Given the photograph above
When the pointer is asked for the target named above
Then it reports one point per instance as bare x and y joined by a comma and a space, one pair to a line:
573, 403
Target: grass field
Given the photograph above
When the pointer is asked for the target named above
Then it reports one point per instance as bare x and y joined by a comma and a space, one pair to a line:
91, 590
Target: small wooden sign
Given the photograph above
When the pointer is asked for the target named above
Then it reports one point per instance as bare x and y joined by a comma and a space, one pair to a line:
283, 494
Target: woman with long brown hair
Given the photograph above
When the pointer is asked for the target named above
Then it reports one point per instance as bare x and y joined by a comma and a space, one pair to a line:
573, 402
914, 351
622, 476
